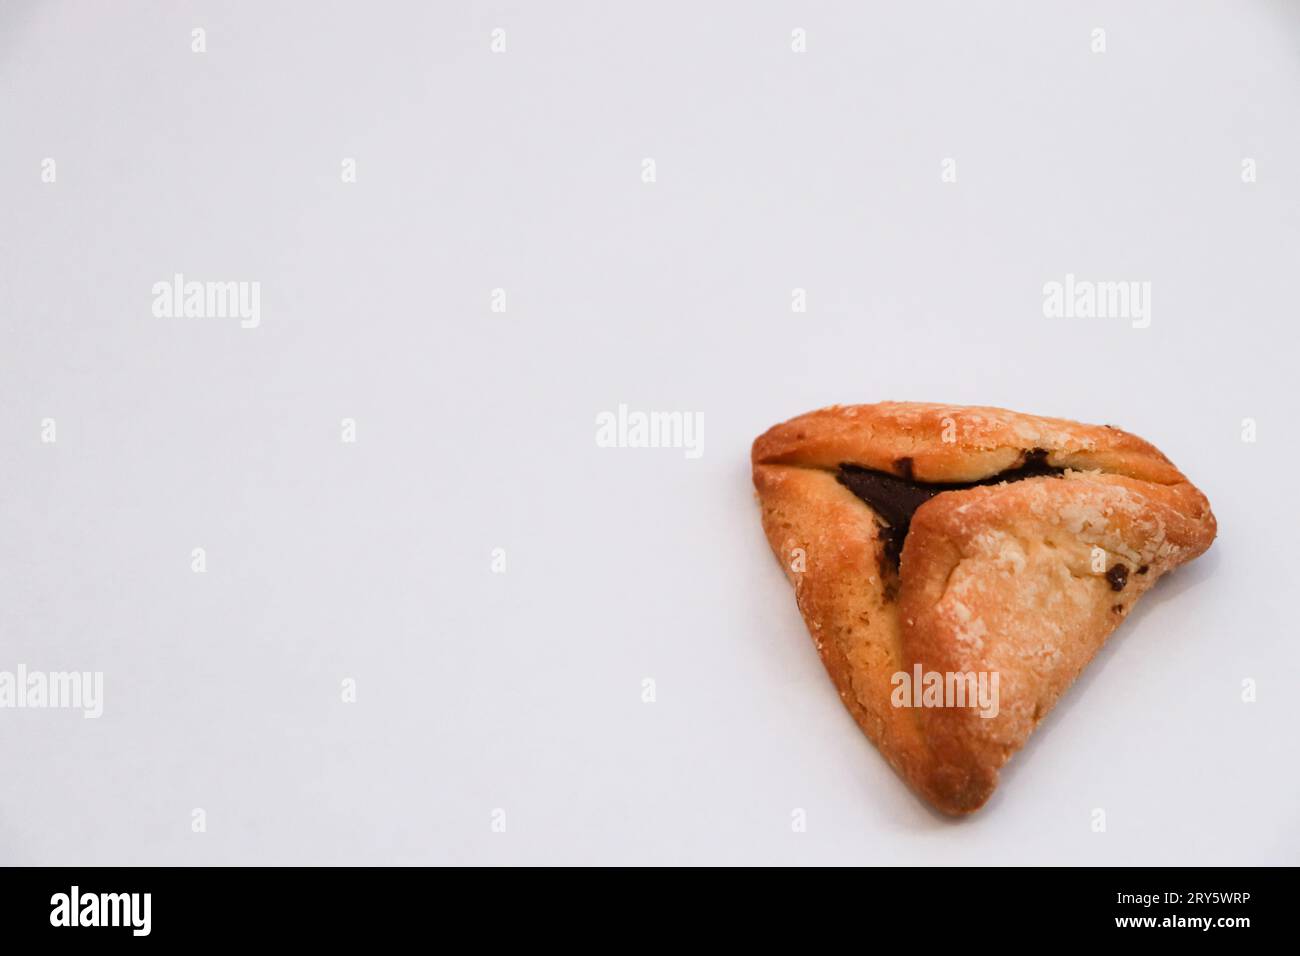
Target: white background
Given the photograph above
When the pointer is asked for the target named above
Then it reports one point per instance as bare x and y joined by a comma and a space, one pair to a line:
475, 430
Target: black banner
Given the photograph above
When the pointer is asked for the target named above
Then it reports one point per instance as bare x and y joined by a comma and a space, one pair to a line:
95, 905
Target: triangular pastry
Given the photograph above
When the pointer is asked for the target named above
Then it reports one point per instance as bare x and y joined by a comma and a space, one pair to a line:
958, 567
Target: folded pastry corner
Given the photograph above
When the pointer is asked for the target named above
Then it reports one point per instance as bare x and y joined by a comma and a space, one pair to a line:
958, 567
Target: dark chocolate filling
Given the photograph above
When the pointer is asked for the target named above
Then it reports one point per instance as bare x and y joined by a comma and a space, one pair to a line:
895, 499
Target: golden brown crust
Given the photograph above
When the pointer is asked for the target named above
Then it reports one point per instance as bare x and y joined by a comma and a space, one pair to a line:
954, 443
1007, 579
